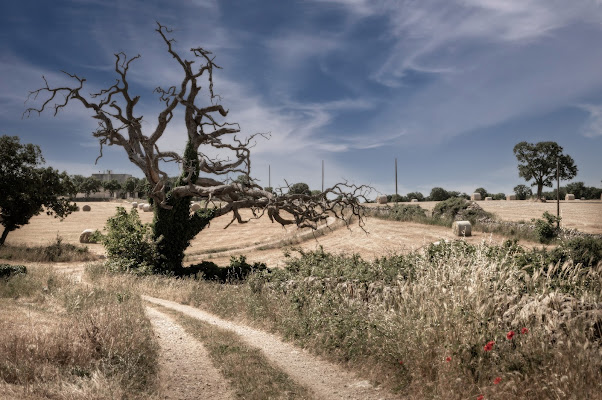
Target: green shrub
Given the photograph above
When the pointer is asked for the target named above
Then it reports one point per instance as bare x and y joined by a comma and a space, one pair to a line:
407, 212
546, 231
586, 251
449, 208
238, 270
7, 270
129, 243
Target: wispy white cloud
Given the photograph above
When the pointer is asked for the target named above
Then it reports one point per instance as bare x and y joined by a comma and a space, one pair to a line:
593, 126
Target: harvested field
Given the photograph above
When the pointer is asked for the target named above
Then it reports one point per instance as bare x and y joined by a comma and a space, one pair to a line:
585, 216
261, 240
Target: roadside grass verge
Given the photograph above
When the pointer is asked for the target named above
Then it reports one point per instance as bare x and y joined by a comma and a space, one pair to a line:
250, 374
56, 251
443, 323
62, 340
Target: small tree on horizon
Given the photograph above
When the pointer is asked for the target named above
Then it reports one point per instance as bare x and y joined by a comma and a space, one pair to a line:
112, 186
522, 191
537, 162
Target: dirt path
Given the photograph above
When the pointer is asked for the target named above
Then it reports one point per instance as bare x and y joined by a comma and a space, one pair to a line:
327, 380
186, 371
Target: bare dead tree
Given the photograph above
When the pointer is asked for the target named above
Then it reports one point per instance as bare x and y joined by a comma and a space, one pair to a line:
118, 124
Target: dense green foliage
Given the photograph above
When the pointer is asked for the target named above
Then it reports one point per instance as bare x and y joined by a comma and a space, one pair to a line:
522, 192
299, 188
546, 227
439, 194
538, 161
482, 191
174, 227
129, 243
451, 208
28, 189
238, 270
406, 212
112, 186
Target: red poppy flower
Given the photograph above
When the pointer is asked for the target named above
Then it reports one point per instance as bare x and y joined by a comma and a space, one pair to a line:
510, 335
497, 380
401, 363
448, 359
524, 331
489, 346
481, 397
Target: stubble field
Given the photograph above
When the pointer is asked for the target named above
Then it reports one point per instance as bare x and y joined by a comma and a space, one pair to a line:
261, 240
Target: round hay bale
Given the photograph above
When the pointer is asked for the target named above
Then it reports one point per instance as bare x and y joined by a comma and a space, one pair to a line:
86, 235
414, 201
134, 204
381, 199
462, 228
569, 196
195, 207
141, 206
511, 197
86, 208
475, 196
147, 208
488, 198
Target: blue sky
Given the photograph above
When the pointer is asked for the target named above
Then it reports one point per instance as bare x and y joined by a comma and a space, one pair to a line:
448, 87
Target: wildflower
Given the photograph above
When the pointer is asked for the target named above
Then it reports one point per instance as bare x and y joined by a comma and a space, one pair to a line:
481, 397
448, 359
510, 335
497, 380
400, 362
524, 331
489, 346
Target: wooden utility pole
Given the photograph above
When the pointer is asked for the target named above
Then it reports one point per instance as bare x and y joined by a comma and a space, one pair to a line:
557, 193
322, 175
269, 175
396, 195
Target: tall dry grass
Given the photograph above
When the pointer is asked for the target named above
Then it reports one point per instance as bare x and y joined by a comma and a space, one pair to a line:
62, 340
420, 324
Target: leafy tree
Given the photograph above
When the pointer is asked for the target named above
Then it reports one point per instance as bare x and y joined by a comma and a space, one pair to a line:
207, 134
483, 192
522, 192
89, 186
396, 198
537, 162
111, 186
130, 186
439, 194
27, 188
415, 195
577, 188
77, 181
299, 188
499, 196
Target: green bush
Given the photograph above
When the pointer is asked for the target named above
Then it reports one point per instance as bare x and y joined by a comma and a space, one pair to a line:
238, 270
7, 270
457, 206
546, 231
586, 251
406, 212
129, 243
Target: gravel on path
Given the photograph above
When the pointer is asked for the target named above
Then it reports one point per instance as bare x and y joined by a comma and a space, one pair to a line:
328, 381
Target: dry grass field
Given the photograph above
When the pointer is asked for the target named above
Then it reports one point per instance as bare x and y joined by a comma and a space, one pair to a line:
585, 216
261, 240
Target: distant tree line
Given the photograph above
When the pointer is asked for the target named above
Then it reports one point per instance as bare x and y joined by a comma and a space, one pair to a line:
522, 192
